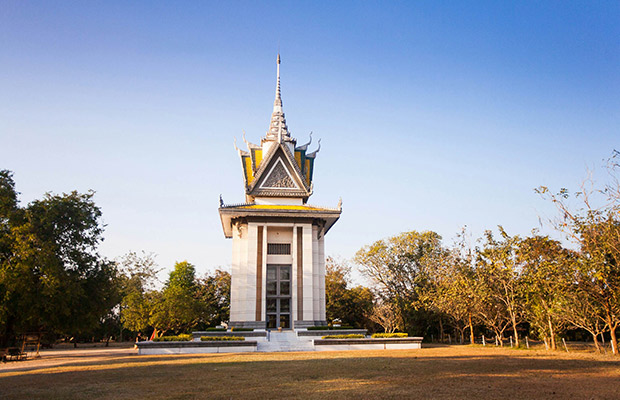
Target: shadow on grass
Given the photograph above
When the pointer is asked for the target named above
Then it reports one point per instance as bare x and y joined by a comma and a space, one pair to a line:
377, 374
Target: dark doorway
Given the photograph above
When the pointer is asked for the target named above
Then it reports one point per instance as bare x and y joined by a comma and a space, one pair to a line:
278, 296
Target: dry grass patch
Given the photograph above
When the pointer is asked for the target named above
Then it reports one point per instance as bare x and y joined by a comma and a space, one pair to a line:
435, 372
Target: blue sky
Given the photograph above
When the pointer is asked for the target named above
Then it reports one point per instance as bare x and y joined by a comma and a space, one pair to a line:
433, 115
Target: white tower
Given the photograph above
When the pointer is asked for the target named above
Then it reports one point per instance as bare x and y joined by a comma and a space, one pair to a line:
278, 263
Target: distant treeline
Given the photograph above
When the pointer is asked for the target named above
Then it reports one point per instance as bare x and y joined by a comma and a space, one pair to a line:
54, 282
508, 285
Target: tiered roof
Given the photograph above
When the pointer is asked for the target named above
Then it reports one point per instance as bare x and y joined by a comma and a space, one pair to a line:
277, 167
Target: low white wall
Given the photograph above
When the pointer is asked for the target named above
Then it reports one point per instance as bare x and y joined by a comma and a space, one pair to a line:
195, 350
377, 346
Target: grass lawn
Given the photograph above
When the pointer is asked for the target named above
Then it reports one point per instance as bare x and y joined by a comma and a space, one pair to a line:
434, 372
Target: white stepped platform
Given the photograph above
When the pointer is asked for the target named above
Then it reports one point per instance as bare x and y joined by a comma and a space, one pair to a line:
285, 341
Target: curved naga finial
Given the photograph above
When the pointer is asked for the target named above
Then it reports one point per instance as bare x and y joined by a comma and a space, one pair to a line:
241, 152
245, 140
305, 146
315, 151
221, 201
340, 203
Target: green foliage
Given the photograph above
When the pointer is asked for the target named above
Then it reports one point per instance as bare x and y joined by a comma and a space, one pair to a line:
399, 266
139, 272
329, 328
187, 303
349, 336
547, 272
51, 277
390, 335
214, 294
233, 329
221, 338
177, 338
350, 305
177, 307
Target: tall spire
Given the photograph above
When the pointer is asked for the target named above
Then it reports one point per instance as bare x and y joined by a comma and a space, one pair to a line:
278, 100
277, 127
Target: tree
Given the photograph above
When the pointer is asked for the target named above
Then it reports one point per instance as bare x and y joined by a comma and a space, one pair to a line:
399, 268
139, 273
177, 308
595, 226
547, 273
51, 276
350, 305
454, 289
8, 210
214, 295
584, 312
387, 315
501, 276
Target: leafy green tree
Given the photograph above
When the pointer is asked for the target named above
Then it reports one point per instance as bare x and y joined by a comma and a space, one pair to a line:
8, 219
178, 307
547, 274
51, 276
399, 266
214, 296
139, 273
350, 305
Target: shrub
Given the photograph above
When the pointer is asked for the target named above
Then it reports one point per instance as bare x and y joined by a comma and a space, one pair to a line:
349, 336
220, 338
233, 329
329, 328
390, 335
178, 338
216, 329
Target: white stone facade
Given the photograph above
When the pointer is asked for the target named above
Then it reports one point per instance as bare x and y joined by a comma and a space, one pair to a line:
278, 261
249, 273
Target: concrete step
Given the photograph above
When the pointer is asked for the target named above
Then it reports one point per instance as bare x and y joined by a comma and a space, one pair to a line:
285, 341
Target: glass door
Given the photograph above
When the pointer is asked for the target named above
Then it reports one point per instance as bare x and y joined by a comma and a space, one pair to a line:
278, 296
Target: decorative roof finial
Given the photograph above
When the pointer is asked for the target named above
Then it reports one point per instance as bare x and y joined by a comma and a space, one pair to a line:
278, 101
278, 121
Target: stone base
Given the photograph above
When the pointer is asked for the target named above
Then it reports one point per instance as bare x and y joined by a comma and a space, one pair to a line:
306, 324
332, 332
248, 324
368, 344
263, 324
195, 347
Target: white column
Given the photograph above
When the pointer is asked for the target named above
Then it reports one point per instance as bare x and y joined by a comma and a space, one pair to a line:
308, 279
316, 308
237, 279
249, 274
322, 278
294, 277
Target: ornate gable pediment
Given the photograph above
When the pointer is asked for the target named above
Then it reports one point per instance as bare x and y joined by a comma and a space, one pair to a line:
279, 175
278, 178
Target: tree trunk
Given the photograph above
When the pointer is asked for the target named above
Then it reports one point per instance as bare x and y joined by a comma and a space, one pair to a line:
514, 329
471, 331
552, 334
596, 345
614, 339
612, 332
441, 330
